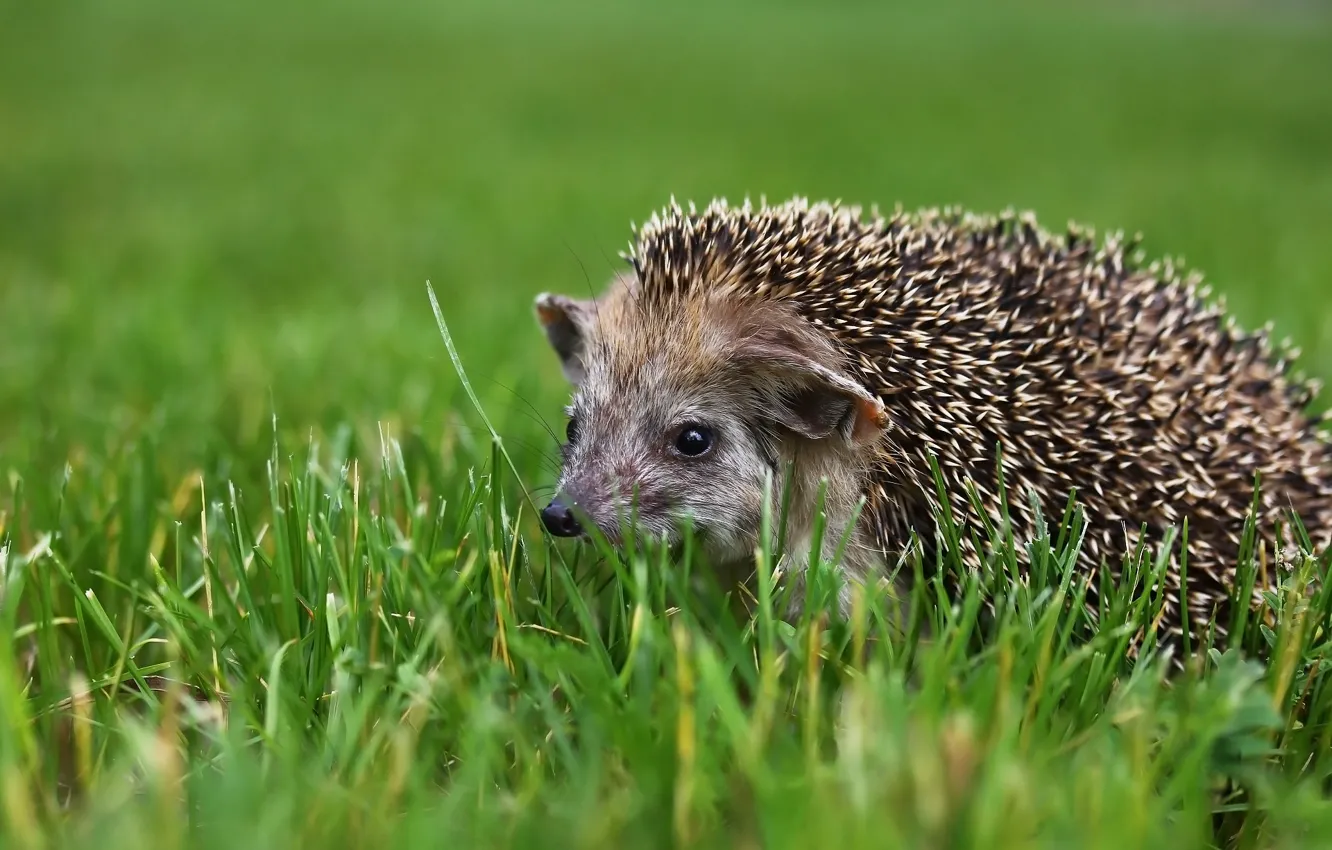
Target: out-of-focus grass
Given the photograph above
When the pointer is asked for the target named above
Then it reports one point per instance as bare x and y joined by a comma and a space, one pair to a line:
211, 210
212, 214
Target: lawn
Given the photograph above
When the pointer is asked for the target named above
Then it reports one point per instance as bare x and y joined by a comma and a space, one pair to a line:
269, 577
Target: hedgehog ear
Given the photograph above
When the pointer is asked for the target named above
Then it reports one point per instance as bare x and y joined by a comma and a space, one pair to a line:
813, 400
565, 322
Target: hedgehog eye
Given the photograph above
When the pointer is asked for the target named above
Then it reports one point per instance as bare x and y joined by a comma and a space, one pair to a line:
571, 431
694, 440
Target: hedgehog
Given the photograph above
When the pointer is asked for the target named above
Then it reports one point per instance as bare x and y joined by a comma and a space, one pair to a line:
843, 352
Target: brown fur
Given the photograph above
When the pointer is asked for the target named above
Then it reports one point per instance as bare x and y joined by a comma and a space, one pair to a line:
859, 348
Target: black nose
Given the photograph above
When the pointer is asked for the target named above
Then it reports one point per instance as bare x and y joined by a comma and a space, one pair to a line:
559, 520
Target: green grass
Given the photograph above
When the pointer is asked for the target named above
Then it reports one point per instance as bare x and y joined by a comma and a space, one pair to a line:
266, 571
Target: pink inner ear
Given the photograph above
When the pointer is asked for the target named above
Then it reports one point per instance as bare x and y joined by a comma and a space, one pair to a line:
871, 419
549, 313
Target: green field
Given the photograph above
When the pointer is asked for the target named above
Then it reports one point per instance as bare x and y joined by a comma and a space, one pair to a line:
268, 579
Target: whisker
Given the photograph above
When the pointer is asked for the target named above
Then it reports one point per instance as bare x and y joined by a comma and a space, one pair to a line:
536, 414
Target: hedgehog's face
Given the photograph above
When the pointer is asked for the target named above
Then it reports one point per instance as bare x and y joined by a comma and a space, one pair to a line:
649, 456
681, 413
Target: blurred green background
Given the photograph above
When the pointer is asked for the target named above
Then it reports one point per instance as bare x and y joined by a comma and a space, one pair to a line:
213, 212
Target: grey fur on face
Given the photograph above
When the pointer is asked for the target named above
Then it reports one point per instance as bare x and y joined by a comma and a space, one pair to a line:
688, 415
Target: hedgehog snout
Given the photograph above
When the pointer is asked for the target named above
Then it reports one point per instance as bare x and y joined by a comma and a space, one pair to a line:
559, 519
581, 502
